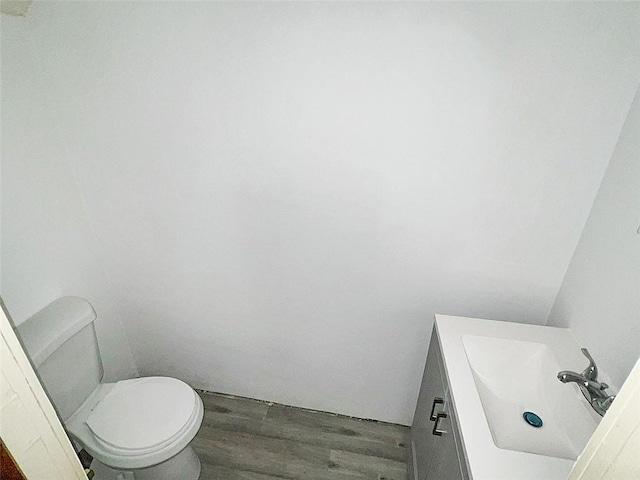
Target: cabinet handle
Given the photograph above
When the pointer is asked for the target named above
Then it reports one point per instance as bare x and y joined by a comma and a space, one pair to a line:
436, 401
435, 430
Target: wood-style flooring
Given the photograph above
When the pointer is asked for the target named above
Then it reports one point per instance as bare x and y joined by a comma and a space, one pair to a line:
244, 439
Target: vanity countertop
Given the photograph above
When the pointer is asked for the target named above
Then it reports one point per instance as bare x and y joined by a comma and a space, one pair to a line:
485, 460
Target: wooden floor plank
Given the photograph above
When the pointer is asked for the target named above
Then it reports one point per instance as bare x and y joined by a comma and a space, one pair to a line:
216, 472
236, 414
366, 465
244, 439
338, 432
258, 454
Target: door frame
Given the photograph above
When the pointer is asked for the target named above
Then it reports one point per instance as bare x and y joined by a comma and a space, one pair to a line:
613, 449
29, 425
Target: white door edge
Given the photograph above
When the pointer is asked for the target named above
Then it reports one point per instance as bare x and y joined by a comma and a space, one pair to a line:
29, 425
612, 450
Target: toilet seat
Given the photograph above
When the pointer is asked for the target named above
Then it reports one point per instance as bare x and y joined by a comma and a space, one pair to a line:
137, 423
150, 411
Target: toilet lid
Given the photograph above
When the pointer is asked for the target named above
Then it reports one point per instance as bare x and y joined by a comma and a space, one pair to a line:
143, 413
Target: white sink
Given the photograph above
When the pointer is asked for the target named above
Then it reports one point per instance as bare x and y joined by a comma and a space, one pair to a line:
513, 377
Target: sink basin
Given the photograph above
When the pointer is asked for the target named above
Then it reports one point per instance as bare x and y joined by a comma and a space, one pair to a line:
513, 377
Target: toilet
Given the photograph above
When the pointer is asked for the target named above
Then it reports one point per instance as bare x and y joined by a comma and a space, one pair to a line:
137, 429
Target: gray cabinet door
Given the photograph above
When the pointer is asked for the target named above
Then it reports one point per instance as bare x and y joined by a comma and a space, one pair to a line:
444, 463
422, 438
434, 457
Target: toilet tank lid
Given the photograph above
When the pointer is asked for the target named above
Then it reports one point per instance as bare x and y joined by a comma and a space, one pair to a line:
44, 332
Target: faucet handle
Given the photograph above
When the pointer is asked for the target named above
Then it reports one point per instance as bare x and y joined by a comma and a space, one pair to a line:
591, 372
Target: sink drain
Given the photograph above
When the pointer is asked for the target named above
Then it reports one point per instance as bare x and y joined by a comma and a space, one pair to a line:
532, 419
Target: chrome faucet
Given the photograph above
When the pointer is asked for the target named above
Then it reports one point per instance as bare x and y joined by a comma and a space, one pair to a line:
592, 390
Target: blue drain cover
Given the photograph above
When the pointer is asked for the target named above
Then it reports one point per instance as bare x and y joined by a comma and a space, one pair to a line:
532, 419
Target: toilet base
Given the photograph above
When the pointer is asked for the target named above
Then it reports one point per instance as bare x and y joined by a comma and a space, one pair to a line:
183, 466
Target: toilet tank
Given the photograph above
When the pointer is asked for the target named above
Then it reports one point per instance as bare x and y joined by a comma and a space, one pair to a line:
61, 342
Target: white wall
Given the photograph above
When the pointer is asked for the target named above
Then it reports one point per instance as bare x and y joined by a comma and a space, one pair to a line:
285, 193
600, 295
48, 249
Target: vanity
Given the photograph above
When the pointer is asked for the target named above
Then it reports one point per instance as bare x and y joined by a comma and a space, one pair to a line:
492, 407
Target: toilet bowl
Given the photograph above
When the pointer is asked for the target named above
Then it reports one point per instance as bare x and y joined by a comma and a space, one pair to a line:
137, 429
134, 424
